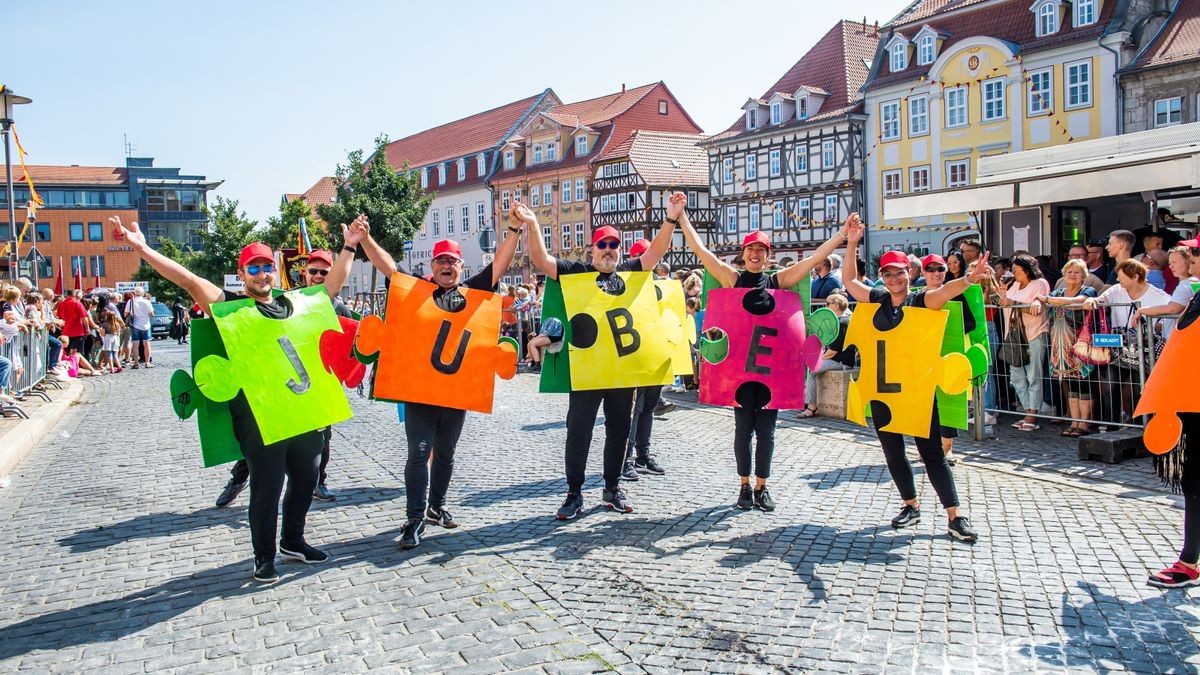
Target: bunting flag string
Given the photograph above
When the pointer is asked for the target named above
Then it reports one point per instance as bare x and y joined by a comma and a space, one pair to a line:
34, 197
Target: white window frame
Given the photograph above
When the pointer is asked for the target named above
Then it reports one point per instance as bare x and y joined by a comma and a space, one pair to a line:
1041, 99
804, 211
1083, 87
535, 197
801, 157
580, 193
802, 108
777, 214
828, 155
481, 164
776, 113
987, 95
755, 216
918, 115
607, 171
434, 224
461, 166
547, 236
1082, 20
959, 109
424, 178
449, 221
727, 170
566, 191
581, 145
548, 194
537, 153
832, 202
480, 215
926, 50
961, 167
566, 236
751, 119
693, 199
898, 56
1046, 18
622, 201
731, 219
892, 183
552, 151
889, 120
510, 160
919, 186
464, 217
751, 166
442, 171
579, 235
1166, 108
773, 162
505, 201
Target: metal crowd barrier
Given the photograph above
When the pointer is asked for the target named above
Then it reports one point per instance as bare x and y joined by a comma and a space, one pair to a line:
27, 351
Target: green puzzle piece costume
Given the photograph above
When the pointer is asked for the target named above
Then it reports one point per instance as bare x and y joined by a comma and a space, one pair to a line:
277, 365
823, 322
556, 368
217, 442
952, 408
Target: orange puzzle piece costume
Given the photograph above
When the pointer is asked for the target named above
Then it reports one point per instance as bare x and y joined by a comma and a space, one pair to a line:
425, 354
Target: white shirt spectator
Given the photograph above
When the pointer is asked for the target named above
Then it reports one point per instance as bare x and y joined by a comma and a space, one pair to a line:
1117, 295
140, 311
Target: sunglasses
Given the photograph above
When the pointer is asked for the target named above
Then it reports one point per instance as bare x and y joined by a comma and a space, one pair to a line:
608, 243
312, 271
253, 270
935, 270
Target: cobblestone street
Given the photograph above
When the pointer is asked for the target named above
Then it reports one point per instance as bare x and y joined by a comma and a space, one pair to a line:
115, 559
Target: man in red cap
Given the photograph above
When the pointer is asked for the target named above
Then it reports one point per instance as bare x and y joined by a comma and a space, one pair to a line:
294, 460
617, 402
430, 429
751, 418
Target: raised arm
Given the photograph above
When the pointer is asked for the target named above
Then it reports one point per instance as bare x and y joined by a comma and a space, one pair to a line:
676, 205
381, 259
351, 237
538, 254
203, 291
854, 233
790, 276
721, 270
938, 298
524, 221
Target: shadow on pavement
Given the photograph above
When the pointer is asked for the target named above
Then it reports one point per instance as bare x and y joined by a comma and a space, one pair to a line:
875, 474
479, 497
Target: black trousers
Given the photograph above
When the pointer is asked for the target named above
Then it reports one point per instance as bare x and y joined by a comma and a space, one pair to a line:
581, 418
435, 429
1190, 486
240, 473
643, 420
295, 459
759, 423
932, 457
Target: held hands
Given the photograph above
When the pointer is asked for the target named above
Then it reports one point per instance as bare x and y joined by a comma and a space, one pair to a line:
676, 205
358, 231
133, 234
853, 229
522, 216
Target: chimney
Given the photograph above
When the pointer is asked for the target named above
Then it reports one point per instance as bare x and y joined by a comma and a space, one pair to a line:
622, 87
876, 27
864, 25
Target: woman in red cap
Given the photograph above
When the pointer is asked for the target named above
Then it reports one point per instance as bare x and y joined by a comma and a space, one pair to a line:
750, 417
893, 297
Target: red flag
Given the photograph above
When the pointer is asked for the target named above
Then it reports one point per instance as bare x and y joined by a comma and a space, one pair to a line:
58, 283
79, 277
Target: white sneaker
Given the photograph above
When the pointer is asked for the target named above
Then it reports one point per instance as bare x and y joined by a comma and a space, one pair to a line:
990, 419
5, 398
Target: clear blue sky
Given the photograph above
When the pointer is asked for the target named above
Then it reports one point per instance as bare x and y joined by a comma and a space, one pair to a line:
270, 95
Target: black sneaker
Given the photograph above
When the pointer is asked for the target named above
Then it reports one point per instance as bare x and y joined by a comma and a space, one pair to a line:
649, 466
264, 569
232, 489
616, 500
664, 407
323, 494
629, 470
436, 515
571, 506
909, 515
410, 536
745, 500
303, 553
961, 530
762, 499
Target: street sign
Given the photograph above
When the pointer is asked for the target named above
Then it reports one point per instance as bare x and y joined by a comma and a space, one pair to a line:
408, 245
489, 258
34, 255
128, 286
233, 283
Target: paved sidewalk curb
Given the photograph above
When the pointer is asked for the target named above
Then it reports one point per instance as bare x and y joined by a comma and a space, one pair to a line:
18, 442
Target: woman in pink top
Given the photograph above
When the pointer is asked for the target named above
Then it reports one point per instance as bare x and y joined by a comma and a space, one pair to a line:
1027, 287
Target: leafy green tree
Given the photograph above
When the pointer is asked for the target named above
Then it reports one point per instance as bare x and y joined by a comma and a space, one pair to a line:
283, 231
392, 200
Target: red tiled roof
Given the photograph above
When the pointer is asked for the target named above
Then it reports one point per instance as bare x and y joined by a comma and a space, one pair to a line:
46, 175
1010, 22
1178, 41
833, 66
462, 137
599, 109
663, 158
324, 191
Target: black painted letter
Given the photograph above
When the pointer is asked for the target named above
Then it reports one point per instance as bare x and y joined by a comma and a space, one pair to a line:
881, 382
757, 348
620, 332
440, 345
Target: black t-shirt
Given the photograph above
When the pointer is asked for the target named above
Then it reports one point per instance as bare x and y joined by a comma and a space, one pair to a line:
608, 282
757, 301
888, 316
451, 299
844, 356
275, 309
1191, 312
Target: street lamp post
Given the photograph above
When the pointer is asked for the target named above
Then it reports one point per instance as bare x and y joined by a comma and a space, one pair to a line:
10, 99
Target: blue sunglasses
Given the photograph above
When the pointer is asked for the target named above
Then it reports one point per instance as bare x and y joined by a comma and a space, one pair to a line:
608, 243
253, 270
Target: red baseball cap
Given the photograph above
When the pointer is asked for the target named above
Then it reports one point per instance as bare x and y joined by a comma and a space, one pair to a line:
255, 251
932, 258
447, 247
893, 259
757, 237
606, 232
1191, 243
639, 247
321, 254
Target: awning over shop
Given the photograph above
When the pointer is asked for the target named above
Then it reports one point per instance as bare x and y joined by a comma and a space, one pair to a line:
1145, 161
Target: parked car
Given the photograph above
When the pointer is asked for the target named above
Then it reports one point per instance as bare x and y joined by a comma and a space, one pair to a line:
160, 323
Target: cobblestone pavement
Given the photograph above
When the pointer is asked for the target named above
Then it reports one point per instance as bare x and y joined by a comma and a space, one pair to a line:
113, 558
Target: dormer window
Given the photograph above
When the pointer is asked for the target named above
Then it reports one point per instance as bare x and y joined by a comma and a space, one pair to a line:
442, 171
750, 121
462, 169
537, 154
551, 151
481, 164
510, 160
581, 145
1046, 16
776, 112
1085, 12
424, 178
926, 50
898, 60
802, 108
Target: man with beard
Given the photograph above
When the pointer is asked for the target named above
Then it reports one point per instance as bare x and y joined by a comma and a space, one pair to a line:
618, 401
